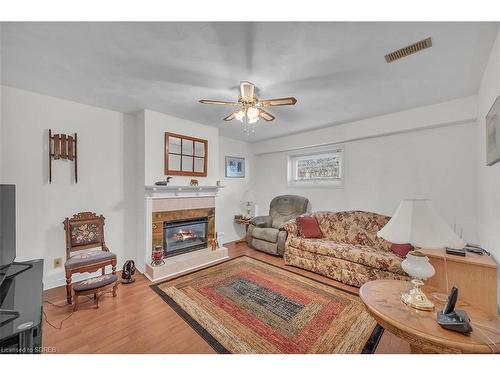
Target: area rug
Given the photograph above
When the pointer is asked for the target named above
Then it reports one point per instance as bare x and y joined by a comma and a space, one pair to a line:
245, 305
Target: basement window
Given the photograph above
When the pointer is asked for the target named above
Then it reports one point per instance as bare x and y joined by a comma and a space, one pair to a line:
318, 167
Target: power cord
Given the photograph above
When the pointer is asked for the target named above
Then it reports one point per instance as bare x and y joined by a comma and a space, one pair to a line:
492, 346
62, 307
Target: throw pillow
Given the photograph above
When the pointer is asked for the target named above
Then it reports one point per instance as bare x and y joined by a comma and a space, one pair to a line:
401, 249
309, 227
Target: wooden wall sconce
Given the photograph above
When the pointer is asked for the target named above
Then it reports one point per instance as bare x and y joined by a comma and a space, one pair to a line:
62, 146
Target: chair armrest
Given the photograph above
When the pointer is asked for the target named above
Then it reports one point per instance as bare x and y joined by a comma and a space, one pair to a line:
104, 248
262, 221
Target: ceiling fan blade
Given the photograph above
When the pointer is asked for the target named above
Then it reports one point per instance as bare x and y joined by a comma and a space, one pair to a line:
279, 101
266, 115
220, 102
247, 91
230, 117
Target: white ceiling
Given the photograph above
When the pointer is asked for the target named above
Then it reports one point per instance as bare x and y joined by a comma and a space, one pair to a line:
336, 71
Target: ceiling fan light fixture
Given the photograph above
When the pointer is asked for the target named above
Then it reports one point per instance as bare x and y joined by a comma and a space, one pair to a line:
239, 115
249, 107
252, 114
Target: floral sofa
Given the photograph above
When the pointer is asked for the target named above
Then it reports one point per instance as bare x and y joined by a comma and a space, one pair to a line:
349, 251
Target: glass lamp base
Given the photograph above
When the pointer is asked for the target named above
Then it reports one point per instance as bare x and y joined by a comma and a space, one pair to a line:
416, 298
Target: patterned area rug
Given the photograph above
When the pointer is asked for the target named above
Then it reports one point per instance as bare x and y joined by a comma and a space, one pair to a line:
248, 306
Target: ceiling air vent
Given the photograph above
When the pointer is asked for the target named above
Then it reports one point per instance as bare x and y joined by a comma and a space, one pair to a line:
408, 50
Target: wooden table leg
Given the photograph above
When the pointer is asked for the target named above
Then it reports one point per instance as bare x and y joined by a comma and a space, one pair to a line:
244, 238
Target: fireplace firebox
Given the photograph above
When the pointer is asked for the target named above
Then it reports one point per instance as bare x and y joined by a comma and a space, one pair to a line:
183, 236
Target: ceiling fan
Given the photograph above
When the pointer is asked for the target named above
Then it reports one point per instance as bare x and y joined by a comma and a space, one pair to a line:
249, 106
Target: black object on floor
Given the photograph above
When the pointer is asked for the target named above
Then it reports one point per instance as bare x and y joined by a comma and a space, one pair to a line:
128, 271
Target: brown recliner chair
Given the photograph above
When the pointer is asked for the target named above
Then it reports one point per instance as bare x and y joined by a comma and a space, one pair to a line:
266, 233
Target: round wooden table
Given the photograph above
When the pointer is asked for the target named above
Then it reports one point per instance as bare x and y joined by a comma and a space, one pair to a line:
383, 300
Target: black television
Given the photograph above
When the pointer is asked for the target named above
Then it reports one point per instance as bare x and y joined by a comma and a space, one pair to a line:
7, 228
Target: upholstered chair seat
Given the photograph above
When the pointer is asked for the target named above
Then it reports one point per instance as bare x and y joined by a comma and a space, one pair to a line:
89, 257
266, 233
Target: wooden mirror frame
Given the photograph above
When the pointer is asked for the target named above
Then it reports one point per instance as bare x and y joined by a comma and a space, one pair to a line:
169, 172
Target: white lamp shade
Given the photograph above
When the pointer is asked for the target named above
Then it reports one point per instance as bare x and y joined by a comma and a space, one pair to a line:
248, 197
417, 222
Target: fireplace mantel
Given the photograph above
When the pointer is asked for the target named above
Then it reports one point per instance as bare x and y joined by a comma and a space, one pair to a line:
158, 191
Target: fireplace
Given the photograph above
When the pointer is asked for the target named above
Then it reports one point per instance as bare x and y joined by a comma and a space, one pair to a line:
167, 211
183, 236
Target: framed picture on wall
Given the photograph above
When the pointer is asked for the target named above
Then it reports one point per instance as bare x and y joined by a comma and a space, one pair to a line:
185, 156
235, 167
493, 133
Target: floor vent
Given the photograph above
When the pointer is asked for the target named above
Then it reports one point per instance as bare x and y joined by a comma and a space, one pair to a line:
408, 50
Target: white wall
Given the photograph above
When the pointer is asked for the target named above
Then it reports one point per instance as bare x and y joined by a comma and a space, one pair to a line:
156, 124
229, 199
456, 111
434, 162
106, 174
489, 177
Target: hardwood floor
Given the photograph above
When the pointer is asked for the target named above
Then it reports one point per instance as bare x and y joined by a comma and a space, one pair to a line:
139, 321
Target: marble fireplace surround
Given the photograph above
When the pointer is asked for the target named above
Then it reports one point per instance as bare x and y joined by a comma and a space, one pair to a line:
173, 203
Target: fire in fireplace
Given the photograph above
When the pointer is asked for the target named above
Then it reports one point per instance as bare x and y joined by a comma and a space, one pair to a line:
183, 236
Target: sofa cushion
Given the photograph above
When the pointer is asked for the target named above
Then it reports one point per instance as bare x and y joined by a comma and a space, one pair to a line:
308, 227
266, 234
380, 259
321, 246
353, 227
365, 255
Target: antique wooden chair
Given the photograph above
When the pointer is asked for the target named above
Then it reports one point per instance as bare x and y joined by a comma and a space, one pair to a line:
86, 250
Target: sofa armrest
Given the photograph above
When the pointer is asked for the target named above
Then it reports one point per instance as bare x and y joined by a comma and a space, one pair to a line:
262, 221
291, 228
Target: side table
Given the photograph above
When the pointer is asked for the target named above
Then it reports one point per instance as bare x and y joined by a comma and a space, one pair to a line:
246, 223
382, 299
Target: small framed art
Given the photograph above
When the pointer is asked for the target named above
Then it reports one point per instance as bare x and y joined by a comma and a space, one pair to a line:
235, 167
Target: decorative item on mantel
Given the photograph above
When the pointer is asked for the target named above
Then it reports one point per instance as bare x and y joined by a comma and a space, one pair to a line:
417, 222
62, 146
164, 182
193, 182
157, 256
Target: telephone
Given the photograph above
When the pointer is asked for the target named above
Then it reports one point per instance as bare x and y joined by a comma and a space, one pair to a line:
454, 320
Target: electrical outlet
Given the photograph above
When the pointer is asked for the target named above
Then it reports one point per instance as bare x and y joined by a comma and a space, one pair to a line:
57, 262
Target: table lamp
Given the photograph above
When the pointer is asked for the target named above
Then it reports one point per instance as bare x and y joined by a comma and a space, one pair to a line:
417, 222
248, 198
